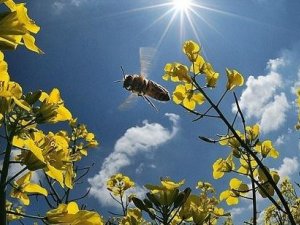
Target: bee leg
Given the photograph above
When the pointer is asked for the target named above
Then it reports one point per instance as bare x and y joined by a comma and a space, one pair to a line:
148, 100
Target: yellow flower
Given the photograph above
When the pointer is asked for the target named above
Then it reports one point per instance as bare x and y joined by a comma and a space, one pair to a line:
266, 149
245, 169
11, 217
70, 214
205, 187
201, 209
252, 133
10, 91
198, 66
231, 140
169, 184
234, 79
49, 152
187, 96
237, 188
52, 108
133, 217
119, 183
167, 192
265, 183
22, 187
176, 72
221, 166
191, 49
17, 27
211, 75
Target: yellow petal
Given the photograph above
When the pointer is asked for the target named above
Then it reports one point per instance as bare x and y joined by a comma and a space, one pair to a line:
232, 200
38, 152
24, 199
10, 25
88, 217
69, 176
198, 98
188, 103
54, 96
43, 96
63, 114
10, 42
29, 42
224, 195
22, 104
166, 77
235, 183
72, 208
35, 188
177, 97
55, 174
25, 179
198, 65
18, 142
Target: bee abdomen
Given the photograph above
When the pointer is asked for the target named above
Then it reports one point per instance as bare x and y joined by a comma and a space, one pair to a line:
157, 91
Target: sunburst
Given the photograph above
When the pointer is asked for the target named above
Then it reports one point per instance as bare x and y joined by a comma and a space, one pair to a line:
186, 12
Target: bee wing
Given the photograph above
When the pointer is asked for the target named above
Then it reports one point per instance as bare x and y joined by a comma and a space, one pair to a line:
146, 58
129, 101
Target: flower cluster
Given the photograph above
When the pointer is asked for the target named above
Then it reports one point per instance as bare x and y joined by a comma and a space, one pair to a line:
168, 205
118, 184
54, 153
17, 28
248, 166
70, 214
188, 93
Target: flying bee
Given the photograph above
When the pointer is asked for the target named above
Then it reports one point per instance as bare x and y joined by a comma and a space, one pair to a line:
139, 85
145, 88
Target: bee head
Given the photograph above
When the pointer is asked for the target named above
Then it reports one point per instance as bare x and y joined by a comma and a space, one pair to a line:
127, 82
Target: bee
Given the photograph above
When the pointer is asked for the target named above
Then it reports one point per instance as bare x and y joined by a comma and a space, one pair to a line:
145, 88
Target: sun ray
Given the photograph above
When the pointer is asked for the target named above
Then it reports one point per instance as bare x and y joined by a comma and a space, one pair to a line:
182, 31
166, 30
226, 13
146, 8
157, 20
193, 27
206, 22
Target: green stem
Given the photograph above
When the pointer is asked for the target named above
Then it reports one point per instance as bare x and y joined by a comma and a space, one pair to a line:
25, 215
253, 192
248, 150
4, 174
17, 174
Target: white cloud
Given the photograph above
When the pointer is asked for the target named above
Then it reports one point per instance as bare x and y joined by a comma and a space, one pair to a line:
261, 100
260, 219
280, 140
237, 211
288, 167
60, 5
136, 140
274, 114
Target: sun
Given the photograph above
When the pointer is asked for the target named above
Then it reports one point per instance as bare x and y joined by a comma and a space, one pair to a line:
182, 5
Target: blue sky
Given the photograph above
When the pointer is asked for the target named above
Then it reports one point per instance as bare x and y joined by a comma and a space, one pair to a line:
86, 42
